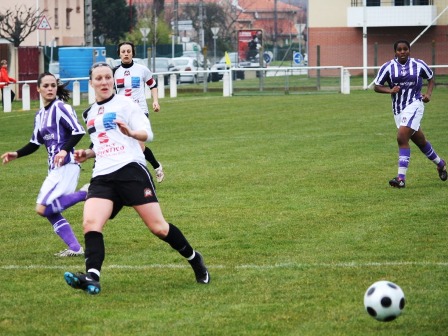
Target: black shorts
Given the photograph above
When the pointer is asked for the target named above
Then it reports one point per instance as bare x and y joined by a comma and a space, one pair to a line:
128, 186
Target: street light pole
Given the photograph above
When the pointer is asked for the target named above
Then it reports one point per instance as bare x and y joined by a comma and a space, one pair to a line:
215, 31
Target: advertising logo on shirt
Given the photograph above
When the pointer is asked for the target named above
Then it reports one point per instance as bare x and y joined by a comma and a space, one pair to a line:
135, 82
103, 138
120, 83
91, 126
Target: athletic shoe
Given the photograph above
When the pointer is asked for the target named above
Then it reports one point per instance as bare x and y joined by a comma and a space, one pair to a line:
160, 175
70, 253
442, 171
199, 268
82, 281
397, 183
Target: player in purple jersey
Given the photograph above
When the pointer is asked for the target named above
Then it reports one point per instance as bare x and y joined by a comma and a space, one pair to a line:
120, 178
130, 81
402, 78
57, 128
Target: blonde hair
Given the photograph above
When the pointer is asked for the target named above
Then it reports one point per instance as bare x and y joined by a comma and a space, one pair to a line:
3, 62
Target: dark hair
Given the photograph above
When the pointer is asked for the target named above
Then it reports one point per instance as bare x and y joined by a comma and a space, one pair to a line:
97, 65
401, 41
126, 43
61, 90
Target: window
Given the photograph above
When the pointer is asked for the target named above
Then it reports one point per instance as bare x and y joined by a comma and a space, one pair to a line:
56, 14
373, 3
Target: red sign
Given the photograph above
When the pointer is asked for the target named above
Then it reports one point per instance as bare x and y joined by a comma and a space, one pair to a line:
250, 42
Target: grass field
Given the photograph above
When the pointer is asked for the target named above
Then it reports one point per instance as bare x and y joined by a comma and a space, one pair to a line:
286, 197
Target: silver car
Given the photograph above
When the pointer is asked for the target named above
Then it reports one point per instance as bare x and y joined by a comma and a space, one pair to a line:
190, 69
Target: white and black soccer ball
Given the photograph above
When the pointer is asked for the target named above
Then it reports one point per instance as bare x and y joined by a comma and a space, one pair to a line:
384, 301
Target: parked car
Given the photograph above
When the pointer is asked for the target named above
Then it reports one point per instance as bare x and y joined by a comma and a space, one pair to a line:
191, 70
221, 65
162, 65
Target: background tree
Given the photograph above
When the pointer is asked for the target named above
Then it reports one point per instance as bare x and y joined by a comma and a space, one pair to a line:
159, 6
213, 17
16, 25
113, 19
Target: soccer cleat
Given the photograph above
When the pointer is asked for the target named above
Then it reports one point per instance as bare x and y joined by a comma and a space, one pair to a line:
199, 268
397, 183
442, 171
82, 281
70, 253
160, 175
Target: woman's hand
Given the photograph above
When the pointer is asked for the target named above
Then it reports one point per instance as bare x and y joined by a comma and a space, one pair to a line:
82, 155
59, 158
9, 156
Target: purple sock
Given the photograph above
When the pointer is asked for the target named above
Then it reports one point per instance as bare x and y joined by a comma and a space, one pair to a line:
431, 154
404, 155
63, 229
64, 202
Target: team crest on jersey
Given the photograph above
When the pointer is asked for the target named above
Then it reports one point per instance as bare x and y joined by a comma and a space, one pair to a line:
127, 73
101, 110
148, 192
403, 72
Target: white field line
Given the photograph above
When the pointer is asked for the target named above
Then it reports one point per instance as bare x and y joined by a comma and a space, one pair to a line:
248, 266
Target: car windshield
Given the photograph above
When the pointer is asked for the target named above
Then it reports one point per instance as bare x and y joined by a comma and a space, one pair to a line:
180, 62
162, 63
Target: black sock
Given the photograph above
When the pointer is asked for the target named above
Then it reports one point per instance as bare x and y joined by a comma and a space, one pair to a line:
95, 252
149, 156
177, 241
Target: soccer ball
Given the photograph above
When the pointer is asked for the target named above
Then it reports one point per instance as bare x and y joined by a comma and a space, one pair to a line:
384, 301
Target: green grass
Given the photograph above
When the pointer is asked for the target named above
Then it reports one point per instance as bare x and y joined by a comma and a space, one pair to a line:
286, 197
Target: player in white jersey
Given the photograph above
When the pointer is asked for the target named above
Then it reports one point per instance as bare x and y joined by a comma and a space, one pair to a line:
402, 78
120, 178
130, 81
57, 128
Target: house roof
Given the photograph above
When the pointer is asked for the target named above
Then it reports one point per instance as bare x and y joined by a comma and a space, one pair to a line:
254, 13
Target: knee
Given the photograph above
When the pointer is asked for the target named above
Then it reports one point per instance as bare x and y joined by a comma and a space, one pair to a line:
40, 209
160, 230
402, 140
92, 225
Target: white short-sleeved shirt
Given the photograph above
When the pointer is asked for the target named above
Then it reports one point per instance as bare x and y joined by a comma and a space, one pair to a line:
112, 148
130, 81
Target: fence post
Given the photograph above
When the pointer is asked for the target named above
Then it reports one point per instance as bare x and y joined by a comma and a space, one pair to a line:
345, 81
226, 84
7, 106
161, 88
173, 85
26, 98
91, 95
76, 93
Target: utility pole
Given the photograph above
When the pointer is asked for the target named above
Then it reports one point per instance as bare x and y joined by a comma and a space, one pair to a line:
275, 30
88, 23
201, 23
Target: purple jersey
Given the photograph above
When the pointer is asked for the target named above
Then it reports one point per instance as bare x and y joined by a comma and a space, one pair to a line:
54, 124
408, 76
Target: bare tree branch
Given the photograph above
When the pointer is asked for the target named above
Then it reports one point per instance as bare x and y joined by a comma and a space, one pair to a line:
16, 25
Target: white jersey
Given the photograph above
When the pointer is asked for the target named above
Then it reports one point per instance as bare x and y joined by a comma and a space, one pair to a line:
130, 80
112, 148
